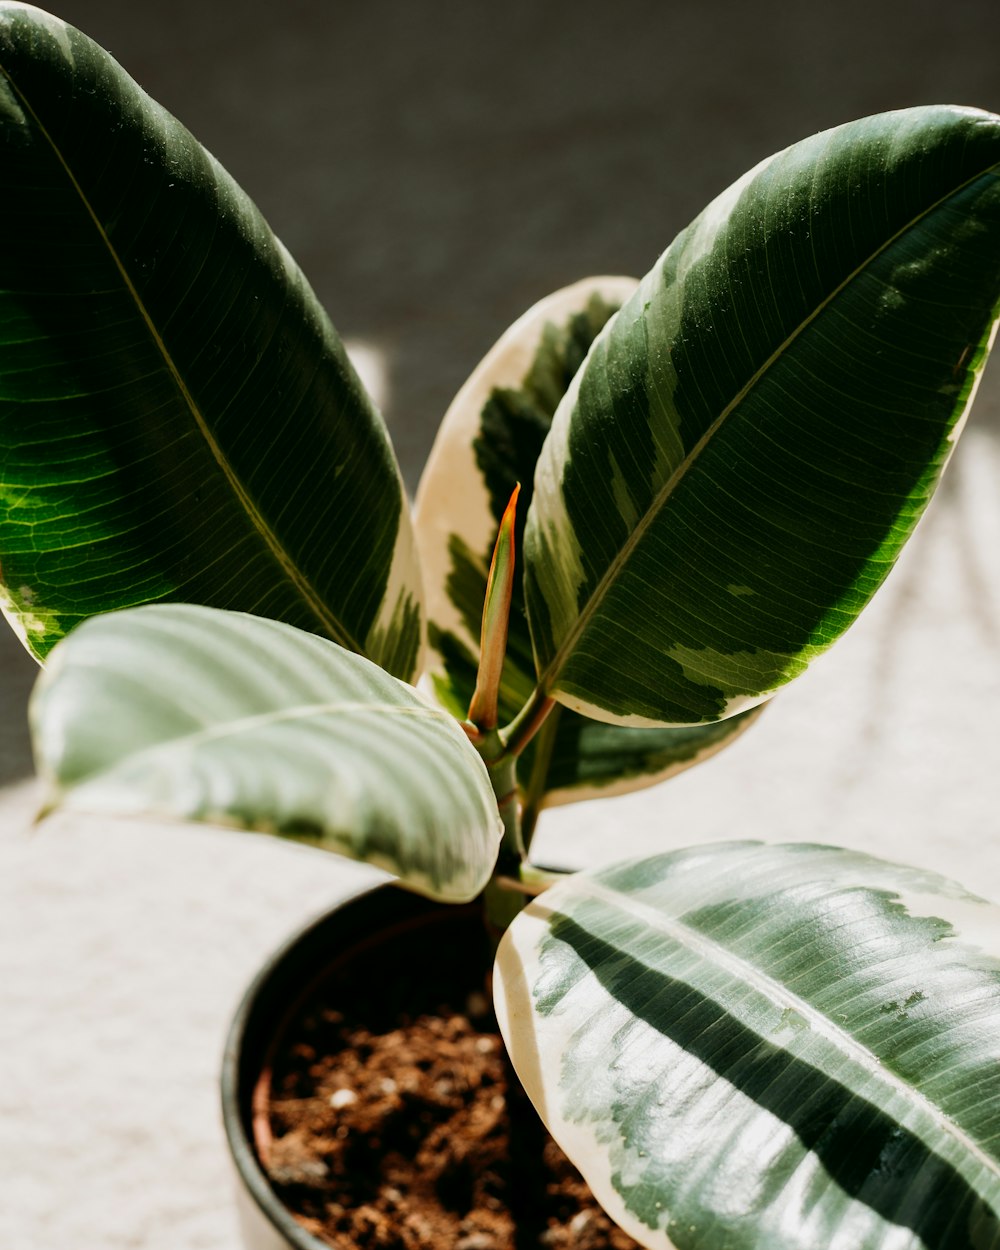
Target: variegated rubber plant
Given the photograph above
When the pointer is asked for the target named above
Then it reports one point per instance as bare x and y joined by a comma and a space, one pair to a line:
742, 1046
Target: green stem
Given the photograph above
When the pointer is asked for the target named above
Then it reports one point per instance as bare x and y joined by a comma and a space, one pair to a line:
499, 750
507, 896
534, 791
504, 779
526, 723
535, 880
503, 905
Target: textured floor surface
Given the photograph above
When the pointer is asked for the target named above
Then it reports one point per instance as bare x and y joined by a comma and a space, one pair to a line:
436, 169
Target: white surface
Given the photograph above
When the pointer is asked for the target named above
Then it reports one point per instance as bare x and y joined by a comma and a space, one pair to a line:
123, 952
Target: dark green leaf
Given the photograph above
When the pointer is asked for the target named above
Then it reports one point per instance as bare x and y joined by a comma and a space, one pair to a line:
757, 432
178, 419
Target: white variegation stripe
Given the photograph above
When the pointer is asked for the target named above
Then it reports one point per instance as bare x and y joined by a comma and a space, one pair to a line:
594, 711
56, 27
559, 566
718, 1145
27, 625
717, 214
960, 907
537, 1061
584, 791
714, 954
452, 497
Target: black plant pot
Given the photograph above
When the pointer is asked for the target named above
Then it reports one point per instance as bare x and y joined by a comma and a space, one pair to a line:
363, 922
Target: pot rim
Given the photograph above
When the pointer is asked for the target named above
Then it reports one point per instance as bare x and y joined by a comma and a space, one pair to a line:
284, 980
250, 1173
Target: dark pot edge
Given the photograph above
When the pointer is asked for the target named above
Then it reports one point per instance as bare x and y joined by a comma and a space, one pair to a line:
284, 977
248, 1170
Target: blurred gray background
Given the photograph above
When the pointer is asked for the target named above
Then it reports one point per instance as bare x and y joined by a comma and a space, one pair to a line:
436, 168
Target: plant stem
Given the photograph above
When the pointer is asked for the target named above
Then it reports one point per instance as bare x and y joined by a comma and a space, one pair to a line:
502, 906
501, 768
526, 723
504, 779
499, 751
506, 896
533, 880
534, 791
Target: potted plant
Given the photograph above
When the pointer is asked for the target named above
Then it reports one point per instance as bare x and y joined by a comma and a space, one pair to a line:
649, 509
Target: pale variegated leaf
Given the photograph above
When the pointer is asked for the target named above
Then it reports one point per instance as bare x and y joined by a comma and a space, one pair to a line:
767, 1048
591, 759
488, 442
206, 715
178, 419
754, 436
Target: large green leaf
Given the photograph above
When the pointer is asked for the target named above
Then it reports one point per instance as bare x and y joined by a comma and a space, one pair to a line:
755, 435
767, 1048
217, 716
488, 442
178, 419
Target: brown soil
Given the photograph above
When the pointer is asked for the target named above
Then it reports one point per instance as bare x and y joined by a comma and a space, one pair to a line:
395, 1122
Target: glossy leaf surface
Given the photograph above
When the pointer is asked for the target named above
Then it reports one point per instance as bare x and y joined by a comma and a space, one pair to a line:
488, 442
767, 1048
178, 419
206, 715
592, 759
755, 435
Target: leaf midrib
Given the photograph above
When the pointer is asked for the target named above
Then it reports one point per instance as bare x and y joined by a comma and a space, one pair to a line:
550, 675
308, 593
776, 991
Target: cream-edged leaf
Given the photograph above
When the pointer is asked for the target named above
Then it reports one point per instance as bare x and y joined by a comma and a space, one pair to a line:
488, 442
592, 759
206, 715
767, 1048
753, 438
